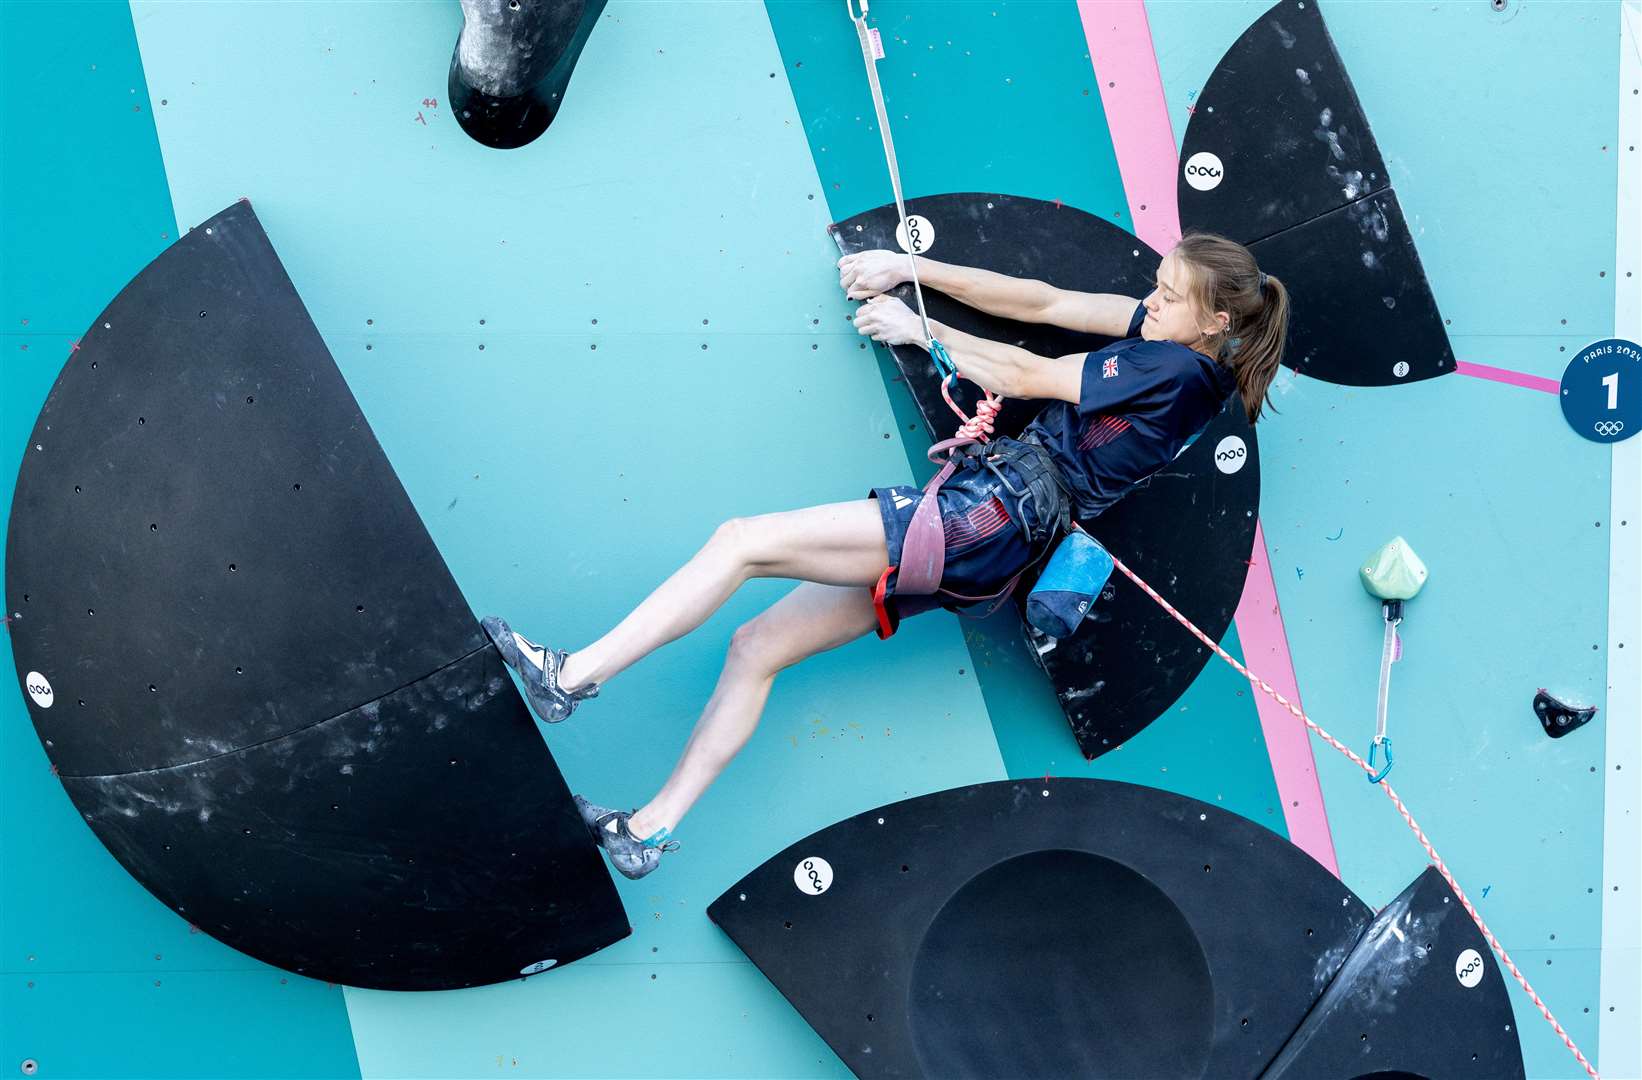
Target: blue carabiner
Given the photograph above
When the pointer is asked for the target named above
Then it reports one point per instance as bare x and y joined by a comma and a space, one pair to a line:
1377, 777
943, 363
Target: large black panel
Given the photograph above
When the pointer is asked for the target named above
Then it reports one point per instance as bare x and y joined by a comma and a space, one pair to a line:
1188, 529
1067, 927
425, 841
1420, 995
1278, 155
1280, 115
208, 547
250, 665
1364, 314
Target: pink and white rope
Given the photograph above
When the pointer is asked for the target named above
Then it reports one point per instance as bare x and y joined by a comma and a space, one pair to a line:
1430, 851
978, 427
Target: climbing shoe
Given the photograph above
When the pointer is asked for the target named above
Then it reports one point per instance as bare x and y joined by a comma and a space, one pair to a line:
631, 856
538, 667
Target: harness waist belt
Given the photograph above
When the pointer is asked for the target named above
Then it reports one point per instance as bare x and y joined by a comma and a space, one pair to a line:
1046, 490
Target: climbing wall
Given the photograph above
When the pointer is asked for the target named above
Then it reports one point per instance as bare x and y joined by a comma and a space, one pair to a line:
580, 356
1509, 508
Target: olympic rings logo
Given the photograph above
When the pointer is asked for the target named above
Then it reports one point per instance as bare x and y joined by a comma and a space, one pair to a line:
1609, 427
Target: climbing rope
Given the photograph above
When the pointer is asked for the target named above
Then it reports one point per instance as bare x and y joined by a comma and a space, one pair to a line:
978, 427
1419, 834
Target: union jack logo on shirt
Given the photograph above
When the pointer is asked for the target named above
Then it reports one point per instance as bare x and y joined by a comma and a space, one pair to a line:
1108, 369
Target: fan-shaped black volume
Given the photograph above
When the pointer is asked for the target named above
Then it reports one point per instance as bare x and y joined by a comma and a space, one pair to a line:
250, 666
1063, 928
1093, 928
1420, 996
1278, 155
1188, 529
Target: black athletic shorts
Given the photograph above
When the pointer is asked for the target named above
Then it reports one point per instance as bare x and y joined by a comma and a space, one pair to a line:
986, 544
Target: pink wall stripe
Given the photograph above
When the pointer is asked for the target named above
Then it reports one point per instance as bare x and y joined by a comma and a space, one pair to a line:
1514, 378
1120, 47
1266, 652
1131, 89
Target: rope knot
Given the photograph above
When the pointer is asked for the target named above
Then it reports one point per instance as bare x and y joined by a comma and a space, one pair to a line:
980, 426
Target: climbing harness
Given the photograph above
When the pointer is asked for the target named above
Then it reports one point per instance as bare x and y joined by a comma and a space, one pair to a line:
923, 549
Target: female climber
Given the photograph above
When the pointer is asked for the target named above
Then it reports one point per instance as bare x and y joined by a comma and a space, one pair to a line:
1212, 326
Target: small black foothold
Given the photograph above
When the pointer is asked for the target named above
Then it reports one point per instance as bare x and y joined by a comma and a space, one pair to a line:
1558, 717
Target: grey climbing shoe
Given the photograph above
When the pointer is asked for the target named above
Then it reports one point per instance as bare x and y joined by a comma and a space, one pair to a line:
538, 667
632, 857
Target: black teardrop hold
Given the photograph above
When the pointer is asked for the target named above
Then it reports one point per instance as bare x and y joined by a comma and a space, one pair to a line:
1558, 717
512, 64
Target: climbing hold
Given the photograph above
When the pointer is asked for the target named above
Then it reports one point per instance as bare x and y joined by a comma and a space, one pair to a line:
1394, 572
512, 65
1558, 717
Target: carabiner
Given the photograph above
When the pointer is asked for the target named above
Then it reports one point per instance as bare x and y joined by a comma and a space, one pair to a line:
1377, 777
943, 363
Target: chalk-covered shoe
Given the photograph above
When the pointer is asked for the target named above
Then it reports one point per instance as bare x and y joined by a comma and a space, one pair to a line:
631, 856
538, 667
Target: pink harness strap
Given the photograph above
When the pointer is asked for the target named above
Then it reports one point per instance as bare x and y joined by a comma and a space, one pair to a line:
923, 550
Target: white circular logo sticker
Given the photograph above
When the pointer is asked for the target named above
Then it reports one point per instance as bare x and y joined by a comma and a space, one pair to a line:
921, 238
813, 876
1468, 968
1204, 171
1230, 454
1400, 368
538, 967
39, 690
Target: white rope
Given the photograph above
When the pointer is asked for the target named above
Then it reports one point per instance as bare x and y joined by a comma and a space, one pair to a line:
869, 54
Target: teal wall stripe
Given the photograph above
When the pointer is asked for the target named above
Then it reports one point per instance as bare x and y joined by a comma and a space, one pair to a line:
97, 978
1001, 97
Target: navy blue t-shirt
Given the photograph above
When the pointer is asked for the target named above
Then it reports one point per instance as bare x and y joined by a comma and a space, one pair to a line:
1141, 402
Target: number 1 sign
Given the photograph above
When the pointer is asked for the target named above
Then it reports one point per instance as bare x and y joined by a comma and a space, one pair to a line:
1602, 390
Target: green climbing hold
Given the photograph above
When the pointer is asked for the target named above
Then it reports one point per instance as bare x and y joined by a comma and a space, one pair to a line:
1393, 572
